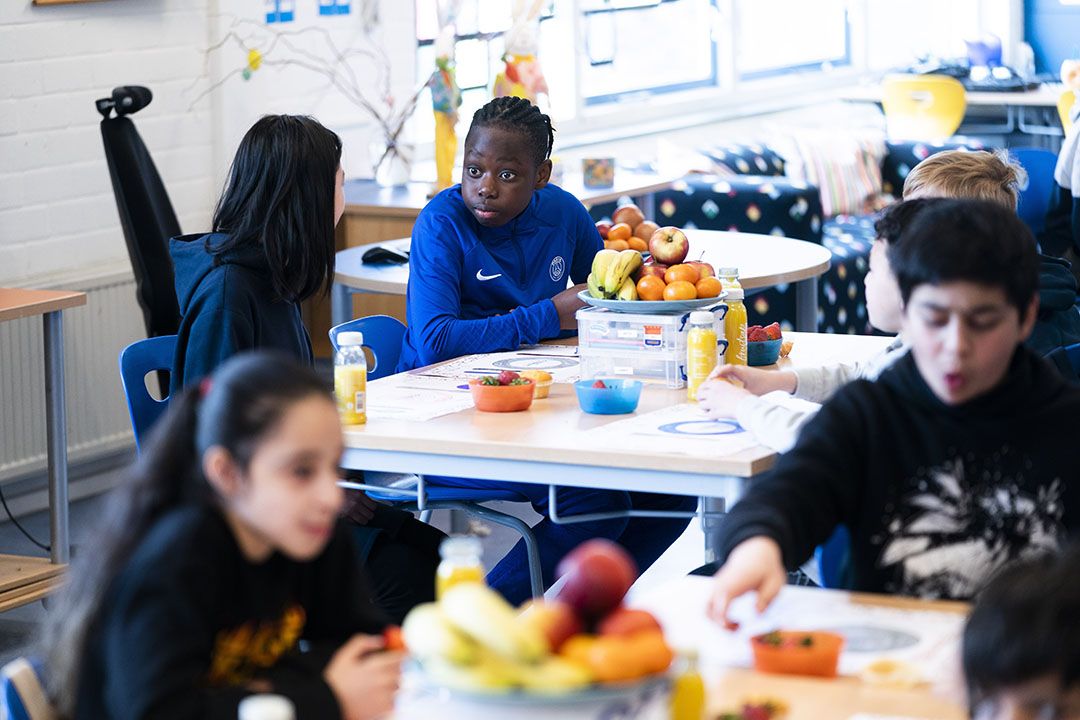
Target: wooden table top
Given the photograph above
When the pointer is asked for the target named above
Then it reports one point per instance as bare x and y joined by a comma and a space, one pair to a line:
554, 430
21, 302
762, 260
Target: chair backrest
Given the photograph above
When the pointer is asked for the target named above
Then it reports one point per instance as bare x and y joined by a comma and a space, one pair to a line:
1035, 196
136, 361
22, 696
1065, 105
382, 336
834, 559
148, 221
922, 107
1073, 353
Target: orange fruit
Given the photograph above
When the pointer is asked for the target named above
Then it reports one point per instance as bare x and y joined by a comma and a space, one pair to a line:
577, 647
708, 287
650, 287
689, 273
610, 659
620, 231
638, 244
617, 245
680, 290
651, 651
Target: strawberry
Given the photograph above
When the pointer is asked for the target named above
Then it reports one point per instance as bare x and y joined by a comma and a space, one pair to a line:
507, 376
756, 335
599, 385
773, 331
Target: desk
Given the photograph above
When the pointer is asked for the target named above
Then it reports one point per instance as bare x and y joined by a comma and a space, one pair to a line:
1045, 97
763, 261
549, 440
25, 579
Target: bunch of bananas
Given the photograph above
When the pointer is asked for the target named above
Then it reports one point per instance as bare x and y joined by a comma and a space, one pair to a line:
473, 640
612, 274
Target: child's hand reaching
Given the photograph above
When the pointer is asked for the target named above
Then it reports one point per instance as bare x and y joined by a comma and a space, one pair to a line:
364, 680
757, 381
755, 564
719, 398
567, 303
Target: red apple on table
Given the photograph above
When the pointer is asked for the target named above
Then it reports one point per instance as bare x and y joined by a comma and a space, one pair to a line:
626, 622
645, 229
704, 268
669, 245
602, 227
555, 620
652, 269
595, 576
630, 214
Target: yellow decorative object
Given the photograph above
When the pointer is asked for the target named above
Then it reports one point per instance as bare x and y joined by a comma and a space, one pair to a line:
922, 107
522, 77
1065, 105
445, 149
254, 59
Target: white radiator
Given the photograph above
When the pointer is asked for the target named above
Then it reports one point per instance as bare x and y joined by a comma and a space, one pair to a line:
97, 419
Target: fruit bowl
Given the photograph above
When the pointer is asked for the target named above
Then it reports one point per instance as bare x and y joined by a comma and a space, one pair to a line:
502, 398
765, 352
651, 307
793, 652
617, 397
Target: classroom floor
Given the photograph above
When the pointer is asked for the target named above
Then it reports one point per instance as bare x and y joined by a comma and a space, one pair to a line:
18, 626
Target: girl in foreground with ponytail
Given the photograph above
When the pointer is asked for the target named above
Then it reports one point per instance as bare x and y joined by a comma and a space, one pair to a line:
217, 559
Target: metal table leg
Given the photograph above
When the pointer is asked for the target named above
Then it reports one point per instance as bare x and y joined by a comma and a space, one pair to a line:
806, 305
712, 512
56, 432
341, 309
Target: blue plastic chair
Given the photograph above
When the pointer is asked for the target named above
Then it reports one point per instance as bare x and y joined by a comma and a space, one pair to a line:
22, 696
1073, 353
137, 360
1035, 198
832, 559
382, 336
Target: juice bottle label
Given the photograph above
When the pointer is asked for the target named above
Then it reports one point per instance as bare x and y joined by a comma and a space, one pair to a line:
350, 387
735, 333
700, 358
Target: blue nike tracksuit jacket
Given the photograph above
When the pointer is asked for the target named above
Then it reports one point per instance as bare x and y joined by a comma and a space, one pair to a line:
474, 289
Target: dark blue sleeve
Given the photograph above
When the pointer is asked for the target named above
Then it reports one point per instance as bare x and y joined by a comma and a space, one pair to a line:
434, 303
587, 242
214, 337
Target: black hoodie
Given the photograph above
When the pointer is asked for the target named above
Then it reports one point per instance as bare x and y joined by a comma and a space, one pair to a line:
1058, 324
228, 304
936, 497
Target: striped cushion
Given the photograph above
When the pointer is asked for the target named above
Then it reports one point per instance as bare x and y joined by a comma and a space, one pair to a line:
846, 167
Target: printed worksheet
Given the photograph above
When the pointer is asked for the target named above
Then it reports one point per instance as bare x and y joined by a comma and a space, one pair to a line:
563, 368
414, 404
682, 428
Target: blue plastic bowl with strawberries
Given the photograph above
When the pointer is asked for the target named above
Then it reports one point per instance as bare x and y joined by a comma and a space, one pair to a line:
763, 344
608, 397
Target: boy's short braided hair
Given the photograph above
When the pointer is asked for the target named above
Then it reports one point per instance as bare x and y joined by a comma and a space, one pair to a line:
968, 174
519, 115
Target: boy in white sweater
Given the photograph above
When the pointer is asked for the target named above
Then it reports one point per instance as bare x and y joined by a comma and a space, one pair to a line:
762, 405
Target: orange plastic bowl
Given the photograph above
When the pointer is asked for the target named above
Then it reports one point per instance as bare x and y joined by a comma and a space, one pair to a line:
791, 656
502, 398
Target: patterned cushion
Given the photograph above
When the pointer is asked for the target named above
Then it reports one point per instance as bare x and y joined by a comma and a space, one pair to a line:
743, 159
846, 167
901, 157
841, 297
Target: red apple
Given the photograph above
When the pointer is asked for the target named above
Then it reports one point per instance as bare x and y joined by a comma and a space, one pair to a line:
704, 268
555, 620
653, 269
602, 227
645, 229
630, 214
626, 622
596, 576
669, 245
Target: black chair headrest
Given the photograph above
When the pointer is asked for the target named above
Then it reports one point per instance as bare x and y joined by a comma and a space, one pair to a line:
125, 100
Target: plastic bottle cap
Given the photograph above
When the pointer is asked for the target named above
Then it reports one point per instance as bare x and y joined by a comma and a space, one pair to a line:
734, 294
702, 316
461, 546
267, 707
350, 338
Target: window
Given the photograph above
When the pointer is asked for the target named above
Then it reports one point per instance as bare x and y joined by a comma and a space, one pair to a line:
779, 36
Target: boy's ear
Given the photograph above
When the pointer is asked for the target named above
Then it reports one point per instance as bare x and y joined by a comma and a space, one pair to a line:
221, 471
543, 174
1027, 321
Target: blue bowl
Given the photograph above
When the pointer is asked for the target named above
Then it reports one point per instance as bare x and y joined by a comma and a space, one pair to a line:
765, 352
618, 398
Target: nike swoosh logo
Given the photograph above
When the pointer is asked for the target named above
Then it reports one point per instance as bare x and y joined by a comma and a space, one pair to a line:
482, 277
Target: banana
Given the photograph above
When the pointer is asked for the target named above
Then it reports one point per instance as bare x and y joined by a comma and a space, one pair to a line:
555, 676
600, 264
628, 262
594, 287
484, 615
430, 635
628, 290
488, 675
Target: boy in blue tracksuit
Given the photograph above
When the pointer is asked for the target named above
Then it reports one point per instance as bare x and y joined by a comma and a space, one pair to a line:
488, 272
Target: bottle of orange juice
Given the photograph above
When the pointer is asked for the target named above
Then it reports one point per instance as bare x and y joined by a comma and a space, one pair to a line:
688, 690
350, 378
700, 350
460, 563
735, 327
